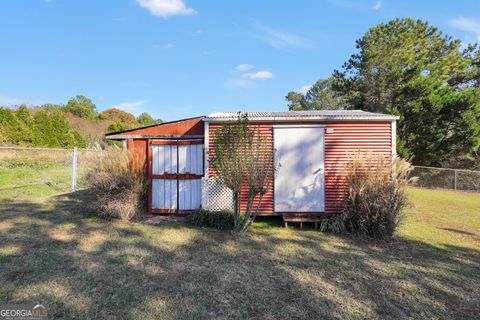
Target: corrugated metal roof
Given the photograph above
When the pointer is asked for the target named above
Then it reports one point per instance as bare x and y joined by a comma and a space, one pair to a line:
302, 115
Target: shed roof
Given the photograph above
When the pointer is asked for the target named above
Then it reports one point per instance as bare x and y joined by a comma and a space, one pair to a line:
302, 116
178, 129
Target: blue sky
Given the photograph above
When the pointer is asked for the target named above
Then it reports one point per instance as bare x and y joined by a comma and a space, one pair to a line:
177, 59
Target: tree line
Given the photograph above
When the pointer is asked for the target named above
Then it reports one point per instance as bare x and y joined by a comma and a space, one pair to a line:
411, 69
53, 126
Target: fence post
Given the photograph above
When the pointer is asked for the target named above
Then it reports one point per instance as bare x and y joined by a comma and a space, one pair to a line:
455, 182
74, 169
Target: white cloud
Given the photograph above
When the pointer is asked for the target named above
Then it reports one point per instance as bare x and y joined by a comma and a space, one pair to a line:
244, 67
278, 39
164, 46
304, 89
165, 8
259, 75
468, 25
9, 101
378, 5
134, 107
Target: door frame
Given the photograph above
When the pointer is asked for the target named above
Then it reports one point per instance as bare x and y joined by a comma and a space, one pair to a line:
170, 176
285, 126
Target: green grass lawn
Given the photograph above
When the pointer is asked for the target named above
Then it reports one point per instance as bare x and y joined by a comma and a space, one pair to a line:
26, 182
52, 251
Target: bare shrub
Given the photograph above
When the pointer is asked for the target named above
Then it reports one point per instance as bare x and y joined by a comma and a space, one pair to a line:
243, 159
376, 196
119, 192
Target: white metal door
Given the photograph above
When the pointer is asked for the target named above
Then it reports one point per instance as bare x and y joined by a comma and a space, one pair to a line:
299, 181
176, 176
190, 164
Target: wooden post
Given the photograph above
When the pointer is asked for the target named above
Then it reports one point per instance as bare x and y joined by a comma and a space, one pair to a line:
74, 170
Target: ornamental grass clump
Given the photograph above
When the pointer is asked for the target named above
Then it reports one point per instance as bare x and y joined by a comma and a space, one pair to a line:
376, 196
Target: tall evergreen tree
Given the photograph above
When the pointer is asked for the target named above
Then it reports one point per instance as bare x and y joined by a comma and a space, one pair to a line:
319, 97
409, 68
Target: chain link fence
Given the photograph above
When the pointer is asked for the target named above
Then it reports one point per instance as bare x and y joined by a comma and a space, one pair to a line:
28, 172
445, 178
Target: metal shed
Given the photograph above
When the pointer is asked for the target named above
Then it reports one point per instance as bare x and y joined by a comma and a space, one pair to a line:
313, 148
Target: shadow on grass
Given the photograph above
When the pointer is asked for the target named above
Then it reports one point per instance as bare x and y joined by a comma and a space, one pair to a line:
458, 231
59, 254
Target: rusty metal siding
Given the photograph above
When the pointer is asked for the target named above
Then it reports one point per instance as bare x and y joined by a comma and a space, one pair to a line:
347, 139
178, 128
140, 155
266, 131
137, 154
138, 147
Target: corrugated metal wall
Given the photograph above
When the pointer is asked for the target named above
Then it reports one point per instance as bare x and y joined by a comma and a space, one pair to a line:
266, 130
138, 154
347, 139
340, 147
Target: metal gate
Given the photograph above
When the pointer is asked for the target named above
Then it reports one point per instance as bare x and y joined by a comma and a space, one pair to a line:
176, 173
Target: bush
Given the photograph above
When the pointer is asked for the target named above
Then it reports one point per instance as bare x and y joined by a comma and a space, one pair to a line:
222, 220
333, 224
119, 192
376, 197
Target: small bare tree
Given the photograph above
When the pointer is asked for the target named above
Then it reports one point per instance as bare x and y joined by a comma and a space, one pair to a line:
243, 158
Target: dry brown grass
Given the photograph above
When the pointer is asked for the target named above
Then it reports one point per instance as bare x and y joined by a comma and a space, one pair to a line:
175, 271
119, 192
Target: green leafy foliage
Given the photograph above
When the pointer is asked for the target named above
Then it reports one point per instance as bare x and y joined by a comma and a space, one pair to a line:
409, 68
120, 119
42, 127
144, 119
75, 124
116, 127
82, 107
222, 220
319, 97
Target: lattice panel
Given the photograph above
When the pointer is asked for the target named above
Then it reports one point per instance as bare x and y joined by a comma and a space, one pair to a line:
216, 196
